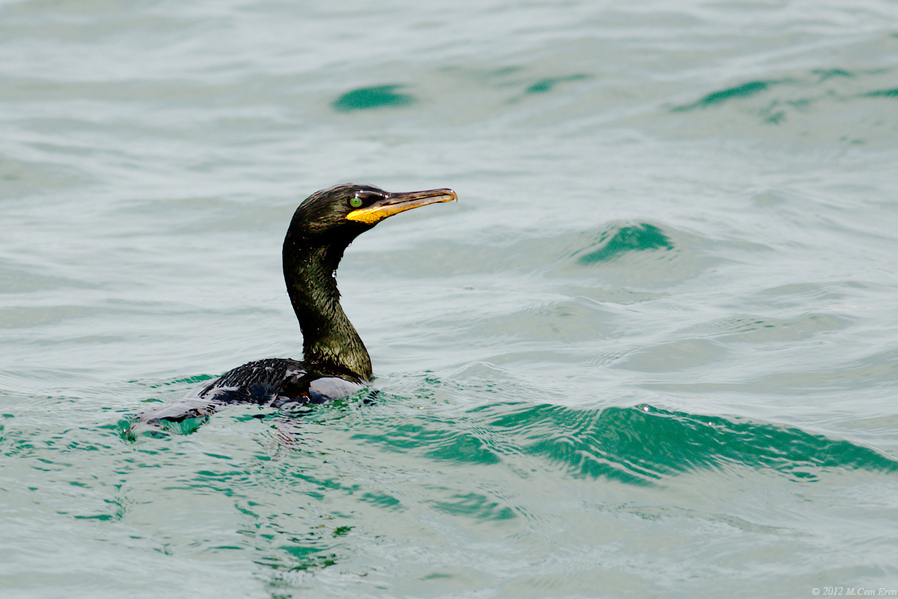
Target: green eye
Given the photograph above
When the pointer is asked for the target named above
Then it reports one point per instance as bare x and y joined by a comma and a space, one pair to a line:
355, 202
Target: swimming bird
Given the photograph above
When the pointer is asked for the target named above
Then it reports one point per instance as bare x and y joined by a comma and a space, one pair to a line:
335, 361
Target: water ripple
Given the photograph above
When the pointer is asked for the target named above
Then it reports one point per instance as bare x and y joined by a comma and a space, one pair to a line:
642, 445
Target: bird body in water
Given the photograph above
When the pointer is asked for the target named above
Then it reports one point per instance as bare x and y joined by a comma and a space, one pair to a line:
335, 361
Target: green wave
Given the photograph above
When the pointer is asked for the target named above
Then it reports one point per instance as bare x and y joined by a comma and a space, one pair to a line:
641, 445
366, 98
719, 97
883, 93
548, 84
622, 239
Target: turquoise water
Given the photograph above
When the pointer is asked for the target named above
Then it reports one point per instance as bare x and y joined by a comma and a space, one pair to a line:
651, 352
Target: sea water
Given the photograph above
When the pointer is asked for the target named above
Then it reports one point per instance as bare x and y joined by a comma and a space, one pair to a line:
651, 352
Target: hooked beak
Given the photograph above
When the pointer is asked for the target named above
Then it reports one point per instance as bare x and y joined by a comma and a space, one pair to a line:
395, 203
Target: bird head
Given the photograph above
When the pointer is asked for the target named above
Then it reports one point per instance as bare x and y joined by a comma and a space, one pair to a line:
347, 210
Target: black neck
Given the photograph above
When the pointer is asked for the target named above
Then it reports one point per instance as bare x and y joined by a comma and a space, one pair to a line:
330, 342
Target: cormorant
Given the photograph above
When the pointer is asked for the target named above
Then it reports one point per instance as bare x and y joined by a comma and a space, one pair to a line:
335, 362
